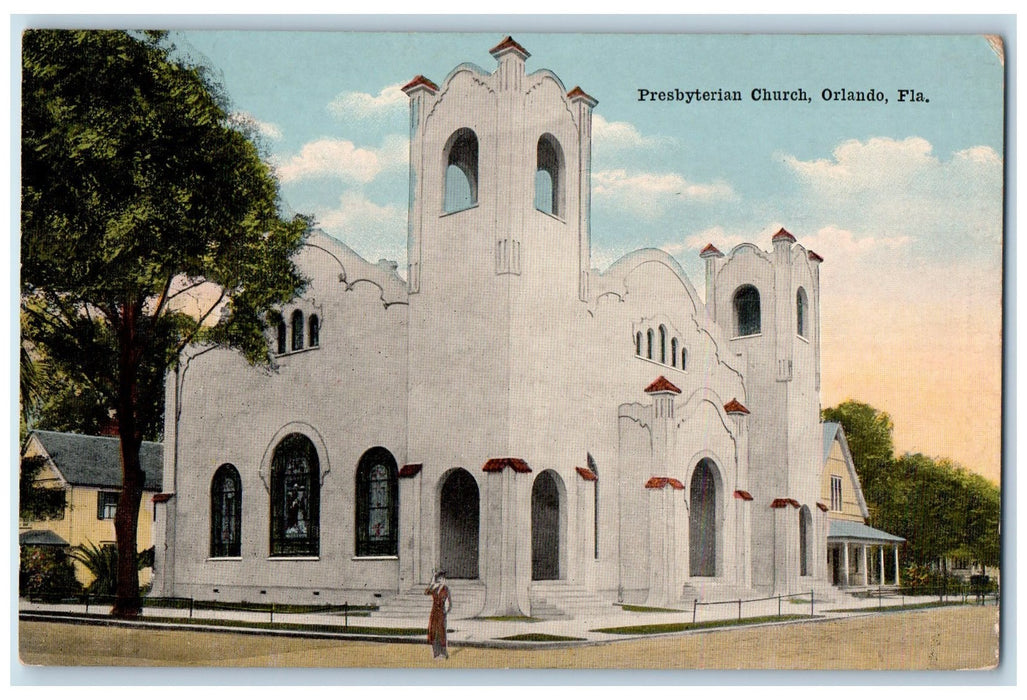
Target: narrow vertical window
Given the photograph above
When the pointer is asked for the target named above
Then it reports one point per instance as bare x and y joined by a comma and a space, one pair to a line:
297, 330
747, 310
549, 176
684, 357
663, 344
649, 337
315, 330
295, 497
225, 512
673, 352
461, 177
595, 506
800, 312
836, 492
638, 343
377, 507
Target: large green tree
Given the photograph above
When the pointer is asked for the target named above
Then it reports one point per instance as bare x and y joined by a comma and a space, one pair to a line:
139, 194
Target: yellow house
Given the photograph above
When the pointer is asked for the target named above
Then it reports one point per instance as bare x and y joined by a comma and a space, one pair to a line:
88, 470
857, 554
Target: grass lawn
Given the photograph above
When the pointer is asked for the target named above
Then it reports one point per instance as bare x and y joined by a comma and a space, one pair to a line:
684, 626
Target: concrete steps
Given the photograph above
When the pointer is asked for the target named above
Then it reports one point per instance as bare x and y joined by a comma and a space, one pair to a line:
561, 600
468, 597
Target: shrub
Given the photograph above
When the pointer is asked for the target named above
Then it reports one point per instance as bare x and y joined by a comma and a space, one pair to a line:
46, 573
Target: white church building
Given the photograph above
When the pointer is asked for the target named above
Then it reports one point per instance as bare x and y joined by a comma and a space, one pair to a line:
507, 413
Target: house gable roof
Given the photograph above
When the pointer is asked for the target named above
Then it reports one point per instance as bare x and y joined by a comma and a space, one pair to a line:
834, 432
87, 460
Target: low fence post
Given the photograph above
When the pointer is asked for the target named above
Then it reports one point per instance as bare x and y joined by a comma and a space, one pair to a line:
190, 607
739, 608
879, 598
695, 604
811, 602
345, 612
779, 605
271, 613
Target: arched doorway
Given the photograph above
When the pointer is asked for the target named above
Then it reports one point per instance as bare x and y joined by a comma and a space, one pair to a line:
546, 527
702, 521
805, 534
458, 525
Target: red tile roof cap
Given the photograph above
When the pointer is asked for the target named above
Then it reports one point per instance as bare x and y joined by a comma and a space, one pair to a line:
744, 495
418, 81
782, 502
733, 406
161, 497
658, 482
814, 257
500, 463
675, 484
409, 470
661, 384
710, 251
507, 44
783, 235
821, 506
586, 474
578, 94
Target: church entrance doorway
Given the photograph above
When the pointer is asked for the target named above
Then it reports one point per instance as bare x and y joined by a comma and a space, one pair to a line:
702, 521
546, 527
458, 525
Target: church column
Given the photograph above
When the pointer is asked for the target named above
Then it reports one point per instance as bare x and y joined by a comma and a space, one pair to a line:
583, 105
587, 485
505, 538
663, 580
410, 481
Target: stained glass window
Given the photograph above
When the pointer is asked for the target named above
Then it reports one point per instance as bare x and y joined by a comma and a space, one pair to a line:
377, 508
295, 498
225, 512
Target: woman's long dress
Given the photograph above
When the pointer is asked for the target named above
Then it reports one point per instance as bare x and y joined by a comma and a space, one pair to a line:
437, 620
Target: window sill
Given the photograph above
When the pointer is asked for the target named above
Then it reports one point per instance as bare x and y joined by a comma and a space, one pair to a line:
743, 337
298, 352
458, 211
382, 557
286, 557
224, 558
551, 215
661, 364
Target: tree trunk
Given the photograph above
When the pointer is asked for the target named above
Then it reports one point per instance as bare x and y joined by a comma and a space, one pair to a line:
126, 519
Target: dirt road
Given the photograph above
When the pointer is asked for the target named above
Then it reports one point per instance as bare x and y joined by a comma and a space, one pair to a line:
945, 638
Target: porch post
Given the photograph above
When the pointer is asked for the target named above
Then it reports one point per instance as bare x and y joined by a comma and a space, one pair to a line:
880, 551
845, 558
863, 558
896, 565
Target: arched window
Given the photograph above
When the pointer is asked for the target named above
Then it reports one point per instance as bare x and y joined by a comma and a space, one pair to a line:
805, 535
649, 337
461, 188
663, 344
549, 176
800, 312
295, 498
747, 310
684, 357
673, 352
315, 330
282, 341
638, 343
377, 510
297, 330
225, 512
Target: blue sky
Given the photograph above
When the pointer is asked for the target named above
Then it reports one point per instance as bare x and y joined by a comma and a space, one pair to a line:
904, 201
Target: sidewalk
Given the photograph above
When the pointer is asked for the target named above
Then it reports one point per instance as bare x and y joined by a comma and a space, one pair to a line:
477, 631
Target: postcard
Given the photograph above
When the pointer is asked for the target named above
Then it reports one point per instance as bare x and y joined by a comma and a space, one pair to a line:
511, 350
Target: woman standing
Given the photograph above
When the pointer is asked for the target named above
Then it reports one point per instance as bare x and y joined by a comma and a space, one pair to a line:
441, 604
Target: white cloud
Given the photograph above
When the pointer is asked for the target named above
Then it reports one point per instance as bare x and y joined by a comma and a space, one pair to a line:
648, 194
373, 230
843, 242
343, 159
248, 121
618, 135
856, 164
361, 105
